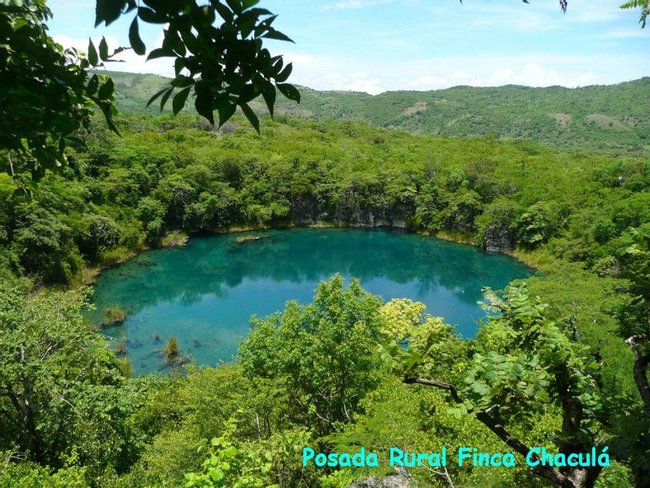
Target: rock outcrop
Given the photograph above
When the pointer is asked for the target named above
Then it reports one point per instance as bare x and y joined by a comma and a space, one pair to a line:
388, 481
497, 239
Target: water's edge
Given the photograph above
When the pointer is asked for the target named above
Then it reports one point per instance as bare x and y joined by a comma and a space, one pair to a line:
91, 273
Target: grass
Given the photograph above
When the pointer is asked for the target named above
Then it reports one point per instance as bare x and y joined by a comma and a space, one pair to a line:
174, 239
113, 257
454, 236
113, 316
120, 349
124, 366
171, 351
172, 355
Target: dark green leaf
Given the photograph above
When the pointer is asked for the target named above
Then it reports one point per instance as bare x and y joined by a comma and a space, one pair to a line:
106, 109
165, 97
106, 90
250, 115
119, 50
289, 91
225, 13
179, 99
134, 38
160, 92
264, 26
249, 3
269, 97
179, 65
226, 110
190, 40
182, 81
203, 101
275, 34
159, 53
93, 84
151, 16
174, 42
108, 11
235, 5
93, 58
259, 11
103, 49
283, 75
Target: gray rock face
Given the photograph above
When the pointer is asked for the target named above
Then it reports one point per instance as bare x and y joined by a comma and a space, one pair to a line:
497, 239
351, 212
388, 481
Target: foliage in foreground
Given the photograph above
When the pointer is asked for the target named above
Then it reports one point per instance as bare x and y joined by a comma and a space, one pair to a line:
289, 391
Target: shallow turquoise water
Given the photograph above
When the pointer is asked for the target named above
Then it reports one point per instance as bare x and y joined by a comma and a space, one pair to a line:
204, 293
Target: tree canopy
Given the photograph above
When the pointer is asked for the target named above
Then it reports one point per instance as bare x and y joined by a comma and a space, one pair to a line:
48, 92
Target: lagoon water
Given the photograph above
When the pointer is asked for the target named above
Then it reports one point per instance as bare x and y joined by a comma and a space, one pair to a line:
204, 293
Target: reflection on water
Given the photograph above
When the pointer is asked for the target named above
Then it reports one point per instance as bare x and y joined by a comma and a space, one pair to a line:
204, 293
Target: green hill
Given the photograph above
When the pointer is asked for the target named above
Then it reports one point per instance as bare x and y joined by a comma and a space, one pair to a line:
613, 117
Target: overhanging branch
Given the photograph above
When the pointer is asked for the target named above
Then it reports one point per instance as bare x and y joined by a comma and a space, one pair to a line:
550, 473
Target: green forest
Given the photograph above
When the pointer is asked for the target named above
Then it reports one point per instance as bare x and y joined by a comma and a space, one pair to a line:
561, 361
605, 118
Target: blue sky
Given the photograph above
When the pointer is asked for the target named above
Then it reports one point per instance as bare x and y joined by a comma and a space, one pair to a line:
380, 45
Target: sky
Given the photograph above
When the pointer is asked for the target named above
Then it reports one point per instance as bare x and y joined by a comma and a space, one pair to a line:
380, 45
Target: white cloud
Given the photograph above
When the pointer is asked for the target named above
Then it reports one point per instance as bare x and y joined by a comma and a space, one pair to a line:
624, 34
129, 61
354, 4
374, 76
596, 11
298, 58
328, 73
425, 53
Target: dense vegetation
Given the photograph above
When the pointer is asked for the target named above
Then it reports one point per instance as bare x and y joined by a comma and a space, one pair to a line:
613, 118
567, 371
571, 213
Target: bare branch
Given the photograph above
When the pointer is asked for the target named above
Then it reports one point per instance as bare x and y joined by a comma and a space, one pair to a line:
550, 473
641, 367
436, 384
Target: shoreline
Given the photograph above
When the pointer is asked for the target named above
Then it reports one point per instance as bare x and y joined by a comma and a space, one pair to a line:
534, 260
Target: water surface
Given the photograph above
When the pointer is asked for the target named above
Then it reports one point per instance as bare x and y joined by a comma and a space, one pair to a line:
204, 294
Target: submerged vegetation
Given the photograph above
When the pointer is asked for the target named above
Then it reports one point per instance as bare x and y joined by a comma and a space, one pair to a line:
113, 316
170, 351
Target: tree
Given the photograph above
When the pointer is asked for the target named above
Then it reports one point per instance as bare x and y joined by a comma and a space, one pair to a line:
634, 315
324, 353
60, 387
227, 65
644, 5
43, 245
47, 93
269, 463
525, 363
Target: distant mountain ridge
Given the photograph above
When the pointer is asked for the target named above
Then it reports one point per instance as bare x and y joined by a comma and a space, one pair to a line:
602, 117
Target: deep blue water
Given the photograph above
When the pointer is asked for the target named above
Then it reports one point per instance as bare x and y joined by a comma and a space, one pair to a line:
204, 294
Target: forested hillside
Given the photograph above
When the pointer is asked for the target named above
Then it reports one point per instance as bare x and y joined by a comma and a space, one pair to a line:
559, 362
572, 214
614, 118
